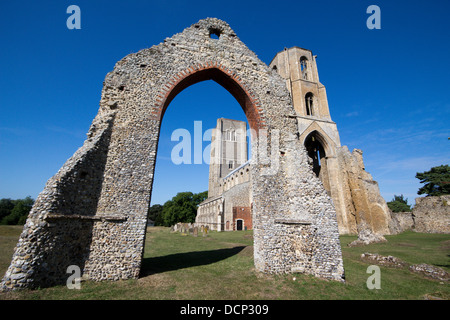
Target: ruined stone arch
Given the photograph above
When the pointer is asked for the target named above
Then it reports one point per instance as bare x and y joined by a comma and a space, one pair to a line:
227, 78
315, 141
319, 148
327, 142
97, 220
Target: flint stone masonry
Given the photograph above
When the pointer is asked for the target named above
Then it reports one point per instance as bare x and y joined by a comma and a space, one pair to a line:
365, 207
432, 214
405, 221
430, 271
424, 269
355, 194
429, 215
109, 179
366, 237
387, 261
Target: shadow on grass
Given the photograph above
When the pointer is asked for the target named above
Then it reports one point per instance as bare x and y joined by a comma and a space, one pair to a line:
186, 260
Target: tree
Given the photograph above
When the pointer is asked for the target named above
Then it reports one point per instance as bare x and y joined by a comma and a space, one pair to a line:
6, 205
19, 213
437, 181
399, 204
159, 221
154, 212
200, 197
182, 208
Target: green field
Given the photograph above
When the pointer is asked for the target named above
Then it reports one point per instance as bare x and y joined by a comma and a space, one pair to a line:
220, 267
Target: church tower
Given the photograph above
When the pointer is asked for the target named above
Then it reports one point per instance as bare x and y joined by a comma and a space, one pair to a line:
355, 194
228, 152
228, 206
317, 131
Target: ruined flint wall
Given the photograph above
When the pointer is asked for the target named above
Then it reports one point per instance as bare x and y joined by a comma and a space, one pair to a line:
295, 228
432, 214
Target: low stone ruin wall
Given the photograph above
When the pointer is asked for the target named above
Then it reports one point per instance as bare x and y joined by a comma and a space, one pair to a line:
432, 214
429, 215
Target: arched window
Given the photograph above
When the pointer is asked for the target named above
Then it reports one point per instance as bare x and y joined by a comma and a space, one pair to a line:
230, 135
304, 68
316, 145
309, 104
315, 151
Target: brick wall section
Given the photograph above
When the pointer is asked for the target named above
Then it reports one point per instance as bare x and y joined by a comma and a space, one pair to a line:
245, 214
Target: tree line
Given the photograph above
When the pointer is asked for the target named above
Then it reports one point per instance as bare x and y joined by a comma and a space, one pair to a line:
15, 211
181, 208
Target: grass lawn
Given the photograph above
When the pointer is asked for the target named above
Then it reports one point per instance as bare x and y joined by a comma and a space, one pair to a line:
220, 267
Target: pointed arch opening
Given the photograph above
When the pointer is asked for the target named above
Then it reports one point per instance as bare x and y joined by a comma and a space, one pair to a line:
186, 139
222, 76
316, 147
304, 68
249, 107
309, 104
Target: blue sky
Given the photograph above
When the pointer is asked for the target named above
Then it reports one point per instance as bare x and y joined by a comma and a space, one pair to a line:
388, 89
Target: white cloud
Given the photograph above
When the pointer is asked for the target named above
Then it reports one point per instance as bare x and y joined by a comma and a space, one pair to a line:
352, 114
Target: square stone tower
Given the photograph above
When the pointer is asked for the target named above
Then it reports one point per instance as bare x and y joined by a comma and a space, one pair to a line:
355, 195
228, 152
317, 131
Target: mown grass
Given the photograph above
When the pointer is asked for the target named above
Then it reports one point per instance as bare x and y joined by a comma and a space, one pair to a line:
220, 267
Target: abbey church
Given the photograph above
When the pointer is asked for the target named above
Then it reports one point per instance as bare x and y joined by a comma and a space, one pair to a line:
355, 194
